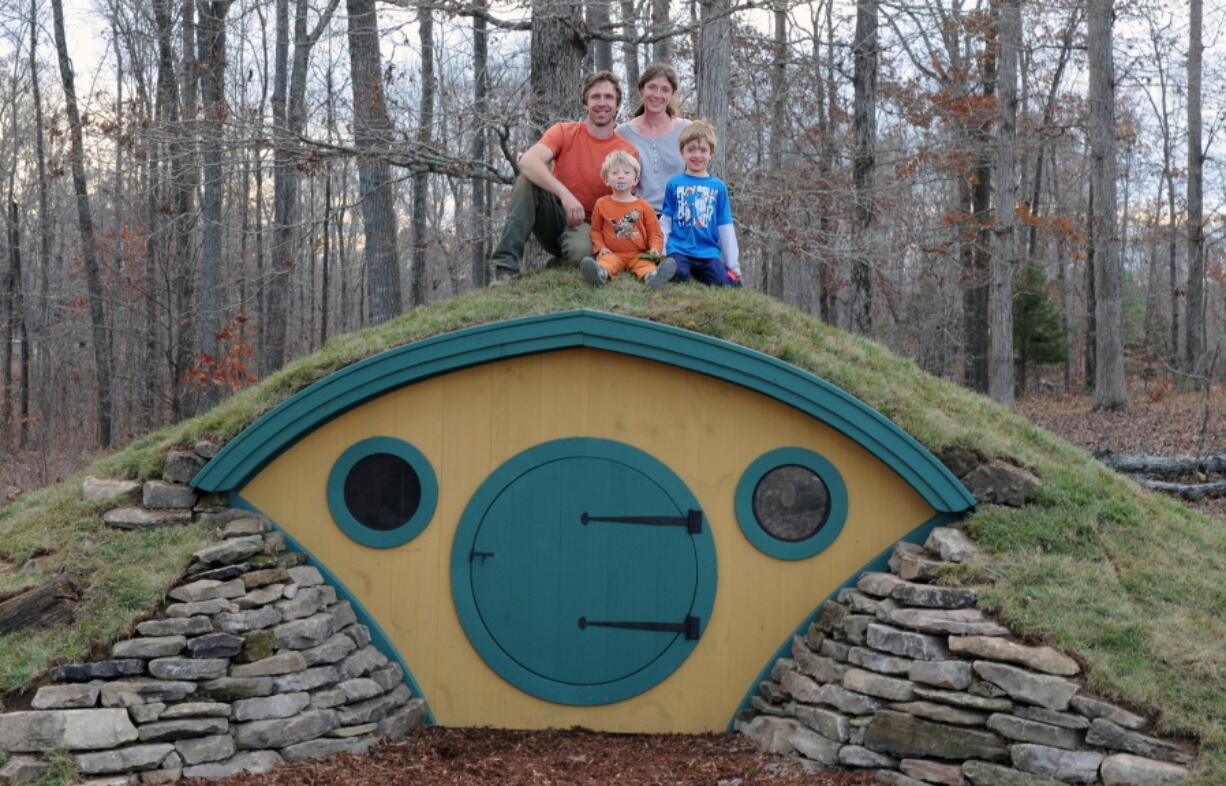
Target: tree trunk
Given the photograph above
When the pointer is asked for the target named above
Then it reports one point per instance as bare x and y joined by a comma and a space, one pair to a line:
1049, 111
181, 280
825, 163
1091, 368
976, 296
289, 119
556, 56
778, 98
212, 51
598, 21
481, 81
10, 298
50, 603
630, 53
864, 134
713, 65
44, 213
1004, 260
85, 224
284, 203
1109, 393
661, 50
372, 130
425, 137
1195, 320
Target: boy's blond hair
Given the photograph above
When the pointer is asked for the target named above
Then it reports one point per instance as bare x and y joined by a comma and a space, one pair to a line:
620, 158
699, 129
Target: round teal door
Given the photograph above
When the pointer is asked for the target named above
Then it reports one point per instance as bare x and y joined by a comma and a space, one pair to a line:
583, 571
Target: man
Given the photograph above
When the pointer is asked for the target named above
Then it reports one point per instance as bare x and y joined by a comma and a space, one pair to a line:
560, 182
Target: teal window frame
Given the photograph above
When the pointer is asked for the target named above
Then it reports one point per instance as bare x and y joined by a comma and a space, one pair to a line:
356, 530
757, 534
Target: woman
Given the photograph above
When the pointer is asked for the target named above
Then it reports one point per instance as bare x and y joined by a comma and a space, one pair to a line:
654, 129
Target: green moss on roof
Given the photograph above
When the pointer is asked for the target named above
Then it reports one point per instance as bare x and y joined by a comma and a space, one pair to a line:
1131, 582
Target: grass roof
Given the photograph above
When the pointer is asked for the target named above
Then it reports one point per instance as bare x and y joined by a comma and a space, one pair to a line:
1130, 582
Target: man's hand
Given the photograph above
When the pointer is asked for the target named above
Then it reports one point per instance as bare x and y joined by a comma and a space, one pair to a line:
573, 209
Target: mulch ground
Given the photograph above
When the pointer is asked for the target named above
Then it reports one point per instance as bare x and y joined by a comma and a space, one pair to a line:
434, 755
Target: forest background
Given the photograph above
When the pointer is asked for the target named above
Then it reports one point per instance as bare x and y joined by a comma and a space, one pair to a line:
1019, 195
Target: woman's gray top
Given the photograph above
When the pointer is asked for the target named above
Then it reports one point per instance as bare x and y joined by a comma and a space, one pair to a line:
660, 158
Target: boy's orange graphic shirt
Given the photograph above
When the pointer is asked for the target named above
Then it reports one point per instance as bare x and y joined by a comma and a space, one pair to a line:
623, 227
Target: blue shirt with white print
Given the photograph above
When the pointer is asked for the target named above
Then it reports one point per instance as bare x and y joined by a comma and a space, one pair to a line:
698, 206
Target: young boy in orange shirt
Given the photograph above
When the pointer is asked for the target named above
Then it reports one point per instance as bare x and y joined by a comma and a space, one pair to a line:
623, 228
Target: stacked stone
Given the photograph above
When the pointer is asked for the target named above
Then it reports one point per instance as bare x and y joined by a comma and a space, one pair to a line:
909, 678
165, 500
253, 662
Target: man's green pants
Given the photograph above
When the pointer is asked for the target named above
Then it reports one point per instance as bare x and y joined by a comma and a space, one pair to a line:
534, 211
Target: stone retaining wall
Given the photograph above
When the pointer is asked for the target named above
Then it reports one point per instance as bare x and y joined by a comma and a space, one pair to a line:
252, 662
910, 679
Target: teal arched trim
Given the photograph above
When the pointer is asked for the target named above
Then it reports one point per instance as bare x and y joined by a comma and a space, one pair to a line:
377, 637
356, 530
880, 563
470, 615
753, 529
354, 385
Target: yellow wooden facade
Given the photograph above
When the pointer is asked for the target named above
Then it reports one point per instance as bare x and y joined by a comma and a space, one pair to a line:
468, 422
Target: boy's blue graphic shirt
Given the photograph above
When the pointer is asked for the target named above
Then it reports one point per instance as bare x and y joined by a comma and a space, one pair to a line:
698, 206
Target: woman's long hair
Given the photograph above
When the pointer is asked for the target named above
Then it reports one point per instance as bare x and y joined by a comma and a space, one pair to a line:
651, 72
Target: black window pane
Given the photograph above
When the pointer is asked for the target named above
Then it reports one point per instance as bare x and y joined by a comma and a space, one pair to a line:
382, 491
791, 503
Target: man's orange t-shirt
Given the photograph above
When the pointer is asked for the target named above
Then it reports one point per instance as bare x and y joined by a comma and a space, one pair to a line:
577, 158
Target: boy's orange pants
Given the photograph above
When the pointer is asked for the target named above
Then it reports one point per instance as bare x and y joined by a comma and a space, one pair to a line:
615, 262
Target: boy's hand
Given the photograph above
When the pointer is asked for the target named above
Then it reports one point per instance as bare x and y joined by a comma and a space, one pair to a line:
651, 255
602, 251
734, 277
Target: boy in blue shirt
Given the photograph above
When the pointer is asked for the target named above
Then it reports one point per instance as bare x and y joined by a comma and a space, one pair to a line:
697, 215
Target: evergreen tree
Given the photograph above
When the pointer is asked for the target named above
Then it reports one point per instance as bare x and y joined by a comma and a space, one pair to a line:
1037, 335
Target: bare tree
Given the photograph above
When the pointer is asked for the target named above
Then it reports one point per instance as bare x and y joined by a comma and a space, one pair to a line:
714, 66
773, 283
85, 224
480, 186
212, 51
289, 119
1109, 390
1196, 187
372, 130
421, 180
661, 48
598, 21
630, 52
1004, 260
557, 52
864, 131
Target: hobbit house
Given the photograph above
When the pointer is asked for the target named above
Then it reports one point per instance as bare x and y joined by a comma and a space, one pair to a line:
508, 526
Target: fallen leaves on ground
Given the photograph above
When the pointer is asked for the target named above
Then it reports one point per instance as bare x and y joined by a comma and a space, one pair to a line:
1157, 422
1170, 424
436, 755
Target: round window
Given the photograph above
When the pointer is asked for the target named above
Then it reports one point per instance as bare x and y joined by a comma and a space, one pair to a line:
382, 492
791, 503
